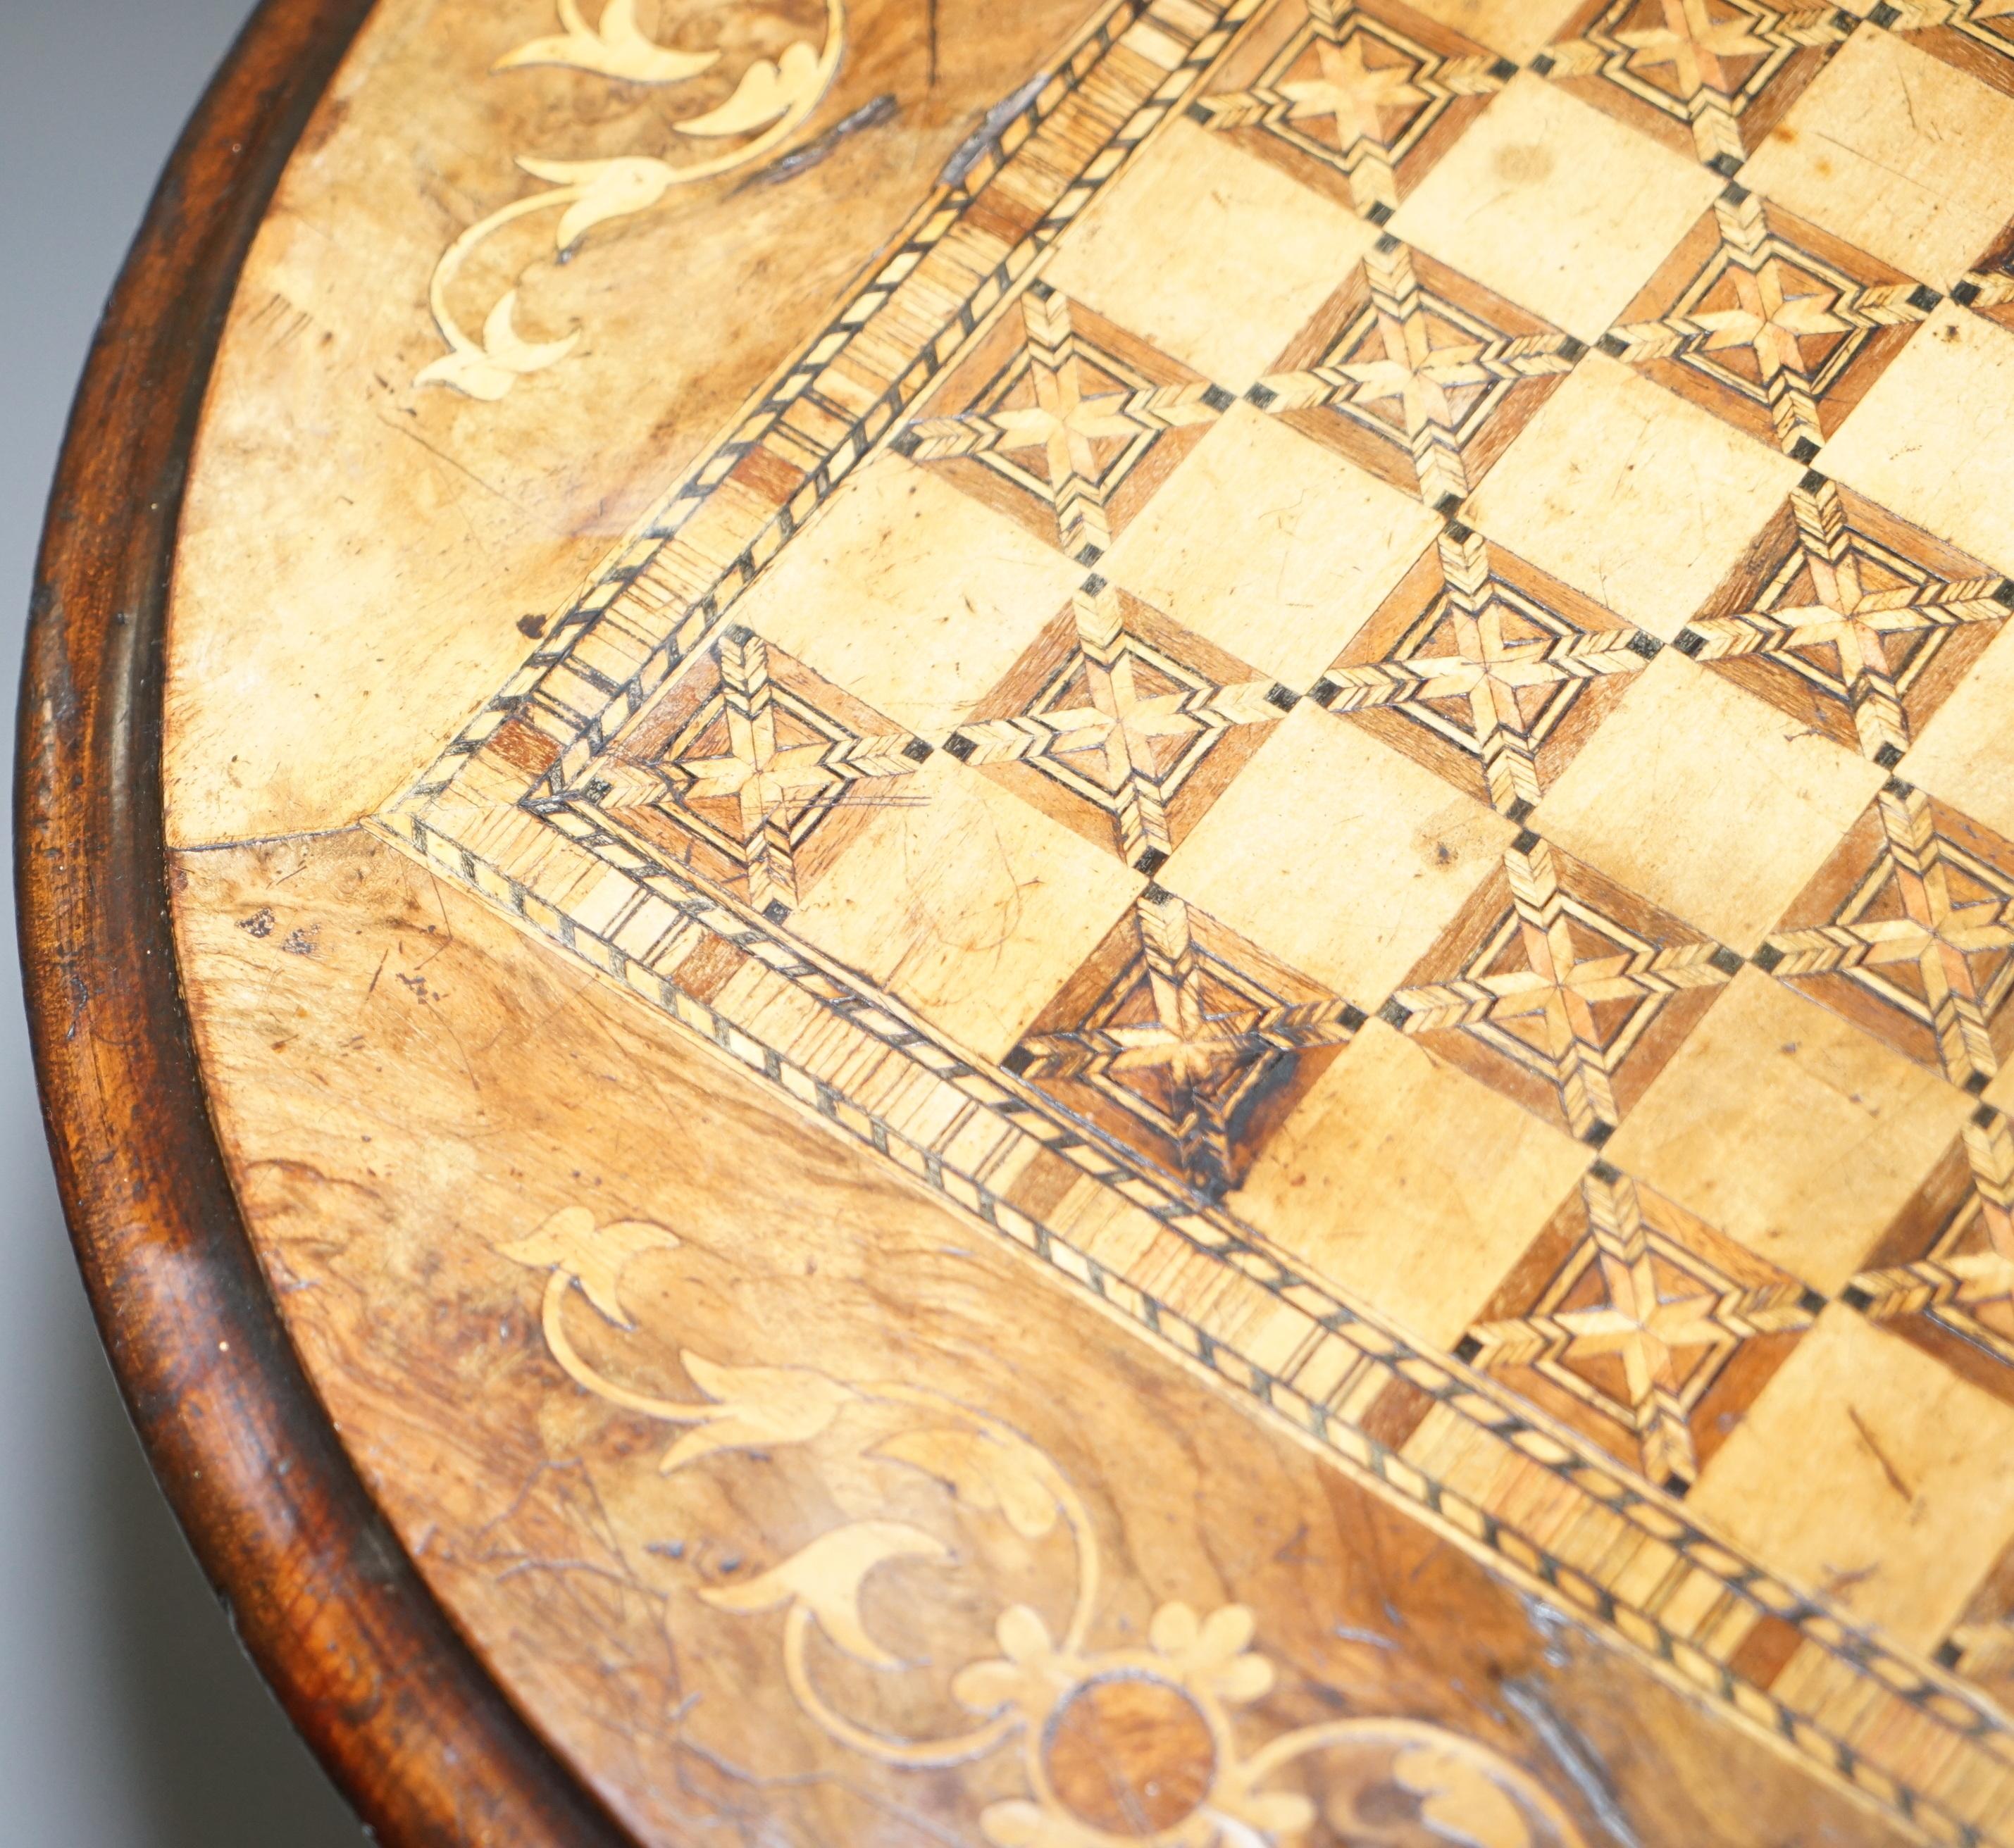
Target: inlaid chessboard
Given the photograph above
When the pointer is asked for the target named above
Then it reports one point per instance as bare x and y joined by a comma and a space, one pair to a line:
1357, 695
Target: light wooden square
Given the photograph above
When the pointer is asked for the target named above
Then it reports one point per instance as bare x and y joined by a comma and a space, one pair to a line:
1788, 1128
1274, 547
1517, 28
1406, 1181
1557, 206
1696, 794
1897, 151
1339, 855
967, 903
1933, 440
1632, 494
1868, 1471
913, 597
1967, 753
1156, 252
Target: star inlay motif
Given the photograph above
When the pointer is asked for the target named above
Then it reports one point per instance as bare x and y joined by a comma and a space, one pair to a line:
1697, 47
1080, 440
1359, 97
1561, 989
1490, 668
1926, 933
1641, 1320
755, 772
1120, 722
1190, 1034
1419, 369
1712, 75
1850, 621
1357, 93
1767, 321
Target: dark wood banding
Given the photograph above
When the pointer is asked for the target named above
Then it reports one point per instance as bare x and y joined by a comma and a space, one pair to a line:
361, 1656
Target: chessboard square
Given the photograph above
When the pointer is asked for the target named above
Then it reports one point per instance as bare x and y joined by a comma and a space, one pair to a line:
1908, 931
1557, 206
1357, 101
1870, 1472
1342, 858
966, 904
1486, 670
1633, 494
1790, 1129
1561, 989
1965, 753
1706, 800
1853, 621
750, 768
1769, 321
1191, 209
1121, 725
1636, 1322
1418, 374
1933, 440
908, 594
1407, 1182
1061, 420
1269, 545
1184, 1041
1706, 77
1896, 151
1516, 28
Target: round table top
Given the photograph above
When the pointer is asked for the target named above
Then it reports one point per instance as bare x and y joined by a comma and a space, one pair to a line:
1065, 924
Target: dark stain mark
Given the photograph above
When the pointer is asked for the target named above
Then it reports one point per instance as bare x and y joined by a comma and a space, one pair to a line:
869, 115
965, 155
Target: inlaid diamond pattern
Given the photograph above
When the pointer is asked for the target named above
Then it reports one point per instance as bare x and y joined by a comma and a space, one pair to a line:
1850, 620
1708, 76
1416, 374
1769, 321
1561, 989
1521, 499
1642, 1325
1485, 670
1122, 725
1908, 930
1363, 93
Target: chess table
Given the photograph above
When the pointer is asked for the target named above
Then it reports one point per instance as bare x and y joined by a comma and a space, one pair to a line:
1045, 926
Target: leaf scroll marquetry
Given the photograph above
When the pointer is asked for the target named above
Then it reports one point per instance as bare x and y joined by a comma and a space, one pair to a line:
825, 1578
1459, 1801
770, 101
615, 47
987, 1475
1116, 1740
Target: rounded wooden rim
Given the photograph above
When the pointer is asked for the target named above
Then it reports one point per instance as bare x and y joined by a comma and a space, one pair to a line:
365, 1662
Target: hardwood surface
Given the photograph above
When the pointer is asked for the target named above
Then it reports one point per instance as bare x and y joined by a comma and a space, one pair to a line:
366, 1663
1101, 918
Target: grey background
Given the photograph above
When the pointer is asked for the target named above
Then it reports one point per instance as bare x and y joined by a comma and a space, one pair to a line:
128, 1718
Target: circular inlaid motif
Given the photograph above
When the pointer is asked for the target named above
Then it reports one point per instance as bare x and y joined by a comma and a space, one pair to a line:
1130, 1754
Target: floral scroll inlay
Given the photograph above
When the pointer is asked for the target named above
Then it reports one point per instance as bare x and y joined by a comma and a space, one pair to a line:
771, 99
1132, 1742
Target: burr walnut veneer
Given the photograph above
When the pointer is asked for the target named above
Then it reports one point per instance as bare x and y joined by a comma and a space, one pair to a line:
1065, 924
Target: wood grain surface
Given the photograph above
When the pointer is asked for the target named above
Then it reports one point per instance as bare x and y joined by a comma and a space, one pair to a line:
1101, 916
365, 1662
